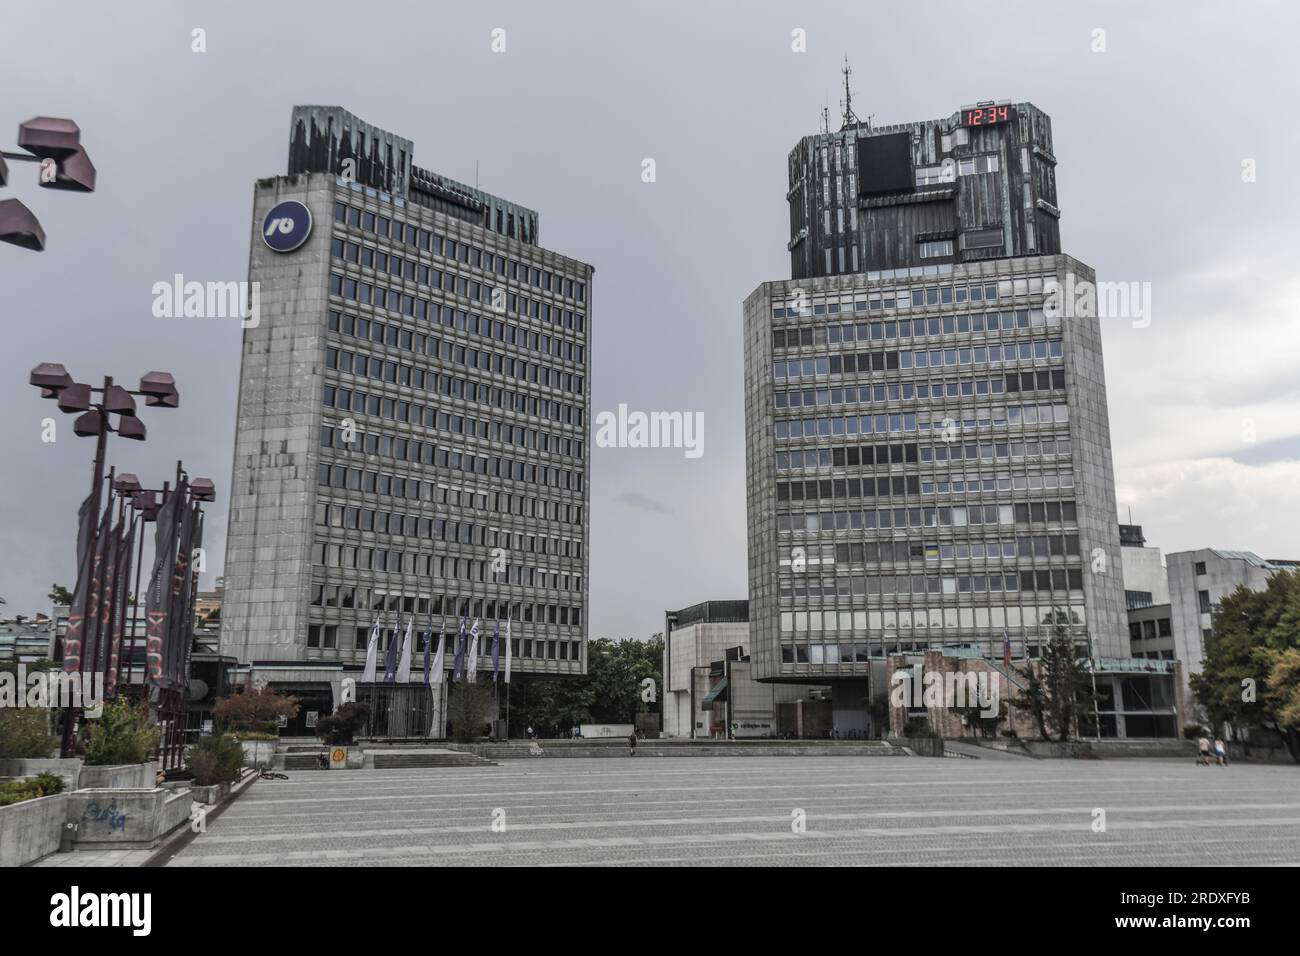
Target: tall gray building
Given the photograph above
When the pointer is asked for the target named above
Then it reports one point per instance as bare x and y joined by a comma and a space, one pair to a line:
928, 449
413, 410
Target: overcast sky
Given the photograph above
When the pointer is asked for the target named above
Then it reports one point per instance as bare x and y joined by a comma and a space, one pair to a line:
1150, 134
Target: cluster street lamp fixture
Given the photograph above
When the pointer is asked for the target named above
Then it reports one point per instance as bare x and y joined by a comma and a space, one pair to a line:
56, 145
95, 418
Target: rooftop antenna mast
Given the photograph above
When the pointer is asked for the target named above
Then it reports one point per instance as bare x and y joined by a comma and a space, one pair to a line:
826, 119
850, 119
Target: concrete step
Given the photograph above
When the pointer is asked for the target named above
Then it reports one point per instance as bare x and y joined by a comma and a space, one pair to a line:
404, 759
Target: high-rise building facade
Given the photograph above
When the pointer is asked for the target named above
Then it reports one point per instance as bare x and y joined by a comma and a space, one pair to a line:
928, 448
413, 407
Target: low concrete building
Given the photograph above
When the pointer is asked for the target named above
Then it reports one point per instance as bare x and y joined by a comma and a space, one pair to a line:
709, 688
1198, 582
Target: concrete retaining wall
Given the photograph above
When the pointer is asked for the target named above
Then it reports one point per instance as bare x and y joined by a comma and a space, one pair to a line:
69, 768
31, 829
522, 749
127, 818
127, 776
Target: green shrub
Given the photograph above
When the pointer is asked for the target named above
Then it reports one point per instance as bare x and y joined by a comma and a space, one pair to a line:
918, 727
124, 734
24, 733
340, 728
215, 760
41, 785
1194, 732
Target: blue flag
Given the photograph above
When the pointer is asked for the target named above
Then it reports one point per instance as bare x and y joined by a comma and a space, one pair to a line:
390, 661
428, 647
458, 662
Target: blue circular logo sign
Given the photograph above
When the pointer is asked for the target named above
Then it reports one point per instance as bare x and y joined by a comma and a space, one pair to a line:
286, 226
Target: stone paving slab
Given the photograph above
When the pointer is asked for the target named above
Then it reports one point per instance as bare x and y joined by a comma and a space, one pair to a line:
740, 811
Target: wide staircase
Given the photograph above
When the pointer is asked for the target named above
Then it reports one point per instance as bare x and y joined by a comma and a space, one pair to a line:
390, 759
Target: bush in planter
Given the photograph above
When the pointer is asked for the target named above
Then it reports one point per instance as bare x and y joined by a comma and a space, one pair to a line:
341, 727
215, 760
918, 727
42, 785
24, 733
124, 734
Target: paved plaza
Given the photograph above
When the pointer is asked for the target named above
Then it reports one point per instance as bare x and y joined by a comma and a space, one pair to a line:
743, 810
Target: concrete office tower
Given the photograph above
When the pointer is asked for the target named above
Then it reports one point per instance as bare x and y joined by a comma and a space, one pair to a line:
413, 410
1146, 582
928, 449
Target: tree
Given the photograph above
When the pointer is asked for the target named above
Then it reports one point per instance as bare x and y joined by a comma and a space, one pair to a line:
255, 711
468, 709
24, 733
341, 727
1247, 678
1058, 690
59, 594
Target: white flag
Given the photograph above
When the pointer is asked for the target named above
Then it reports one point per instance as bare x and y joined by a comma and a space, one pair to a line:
507, 650
404, 666
372, 655
438, 676
471, 666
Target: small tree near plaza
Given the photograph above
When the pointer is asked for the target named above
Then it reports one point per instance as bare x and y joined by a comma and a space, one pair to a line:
340, 728
125, 733
1058, 690
255, 712
24, 733
467, 710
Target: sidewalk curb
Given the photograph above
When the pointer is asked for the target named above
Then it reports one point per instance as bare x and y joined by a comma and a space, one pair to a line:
183, 835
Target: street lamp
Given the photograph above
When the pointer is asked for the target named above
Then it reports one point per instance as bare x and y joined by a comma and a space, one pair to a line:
96, 419
55, 144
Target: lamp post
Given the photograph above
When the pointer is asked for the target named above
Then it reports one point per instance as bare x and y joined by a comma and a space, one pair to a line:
56, 145
158, 388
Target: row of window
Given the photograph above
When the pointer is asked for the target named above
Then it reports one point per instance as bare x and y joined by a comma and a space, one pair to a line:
479, 360
890, 585
947, 618
1150, 630
1023, 546
946, 420
414, 450
350, 557
959, 293
395, 336
935, 326
1043, 380
326, 636
367, 599
460, 251
854, 456
334, 475
903, 552
443, 529
884, 518
406, 412
854, 363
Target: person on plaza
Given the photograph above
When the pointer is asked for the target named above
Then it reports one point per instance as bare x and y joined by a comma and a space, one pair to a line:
631, 744
1220, 753
1203, 752
530, 731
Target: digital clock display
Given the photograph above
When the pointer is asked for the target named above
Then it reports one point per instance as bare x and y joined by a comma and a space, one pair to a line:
985, 115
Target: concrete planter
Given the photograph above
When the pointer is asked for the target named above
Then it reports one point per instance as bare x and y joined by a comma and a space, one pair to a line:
69, 768
210, 795
259, 753
128, 776
31, 829
127, 819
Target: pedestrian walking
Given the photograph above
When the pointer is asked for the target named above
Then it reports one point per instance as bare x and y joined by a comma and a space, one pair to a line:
1220, 753
631, 744
1203, 752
